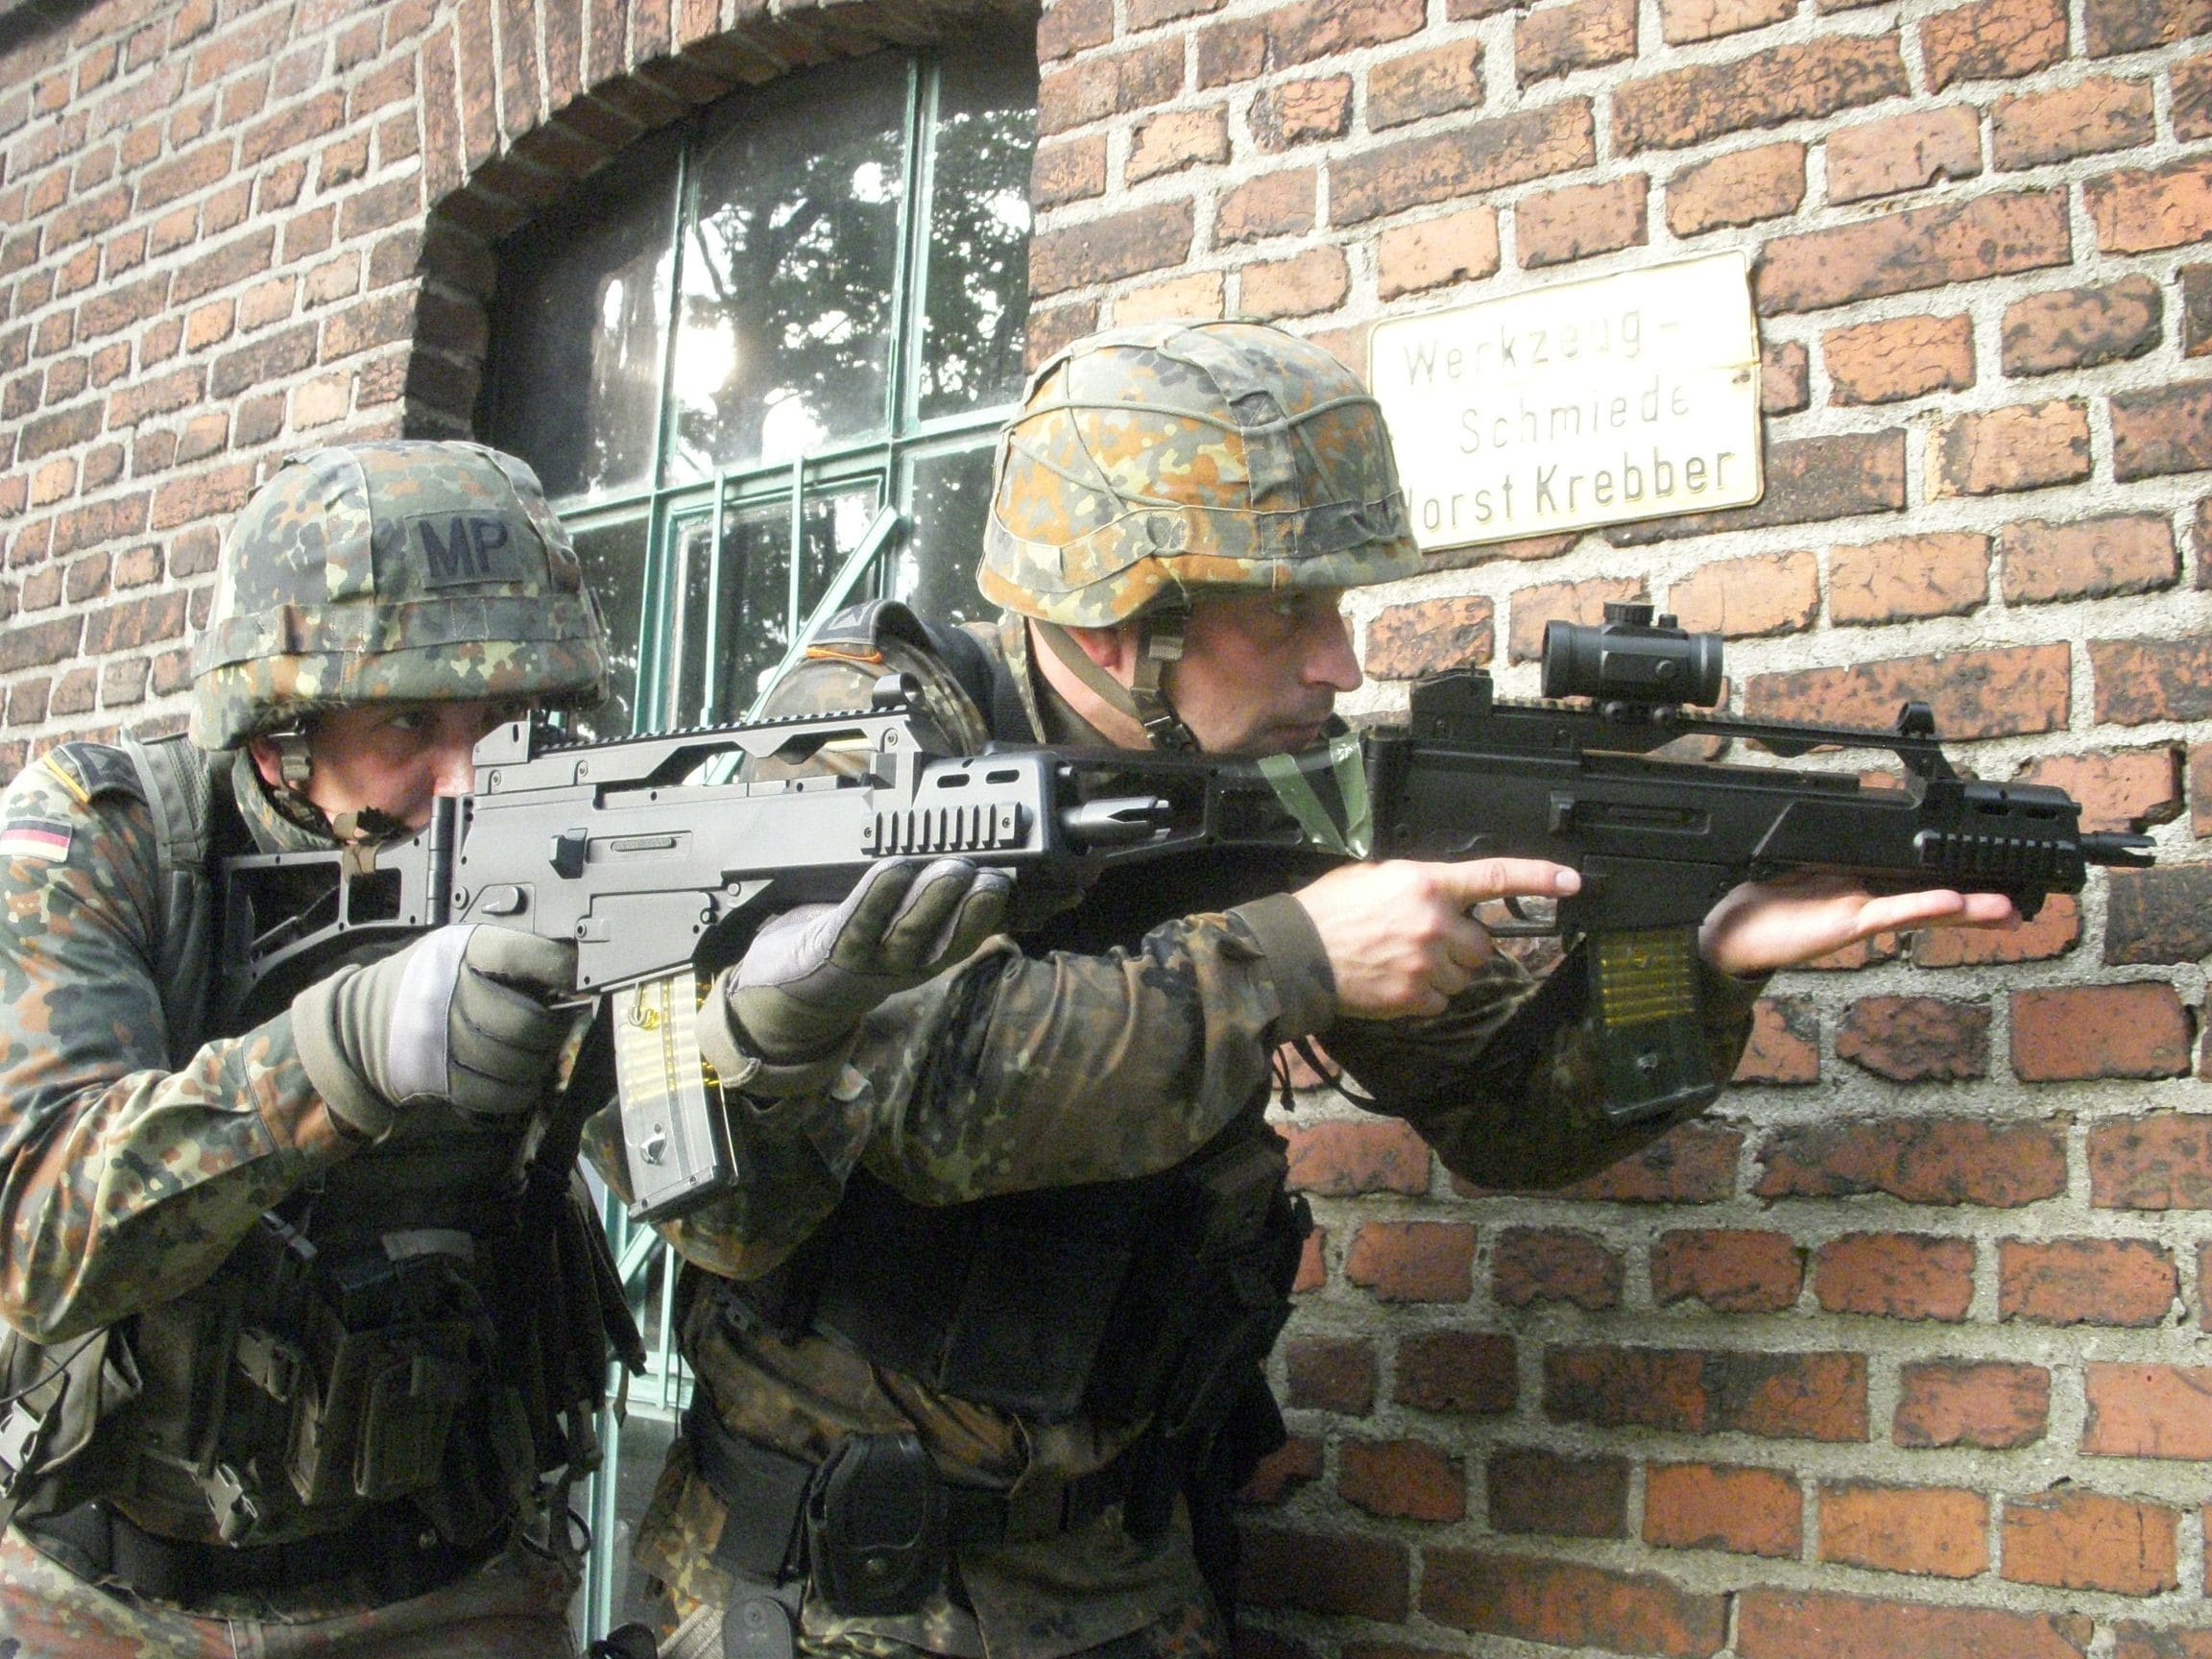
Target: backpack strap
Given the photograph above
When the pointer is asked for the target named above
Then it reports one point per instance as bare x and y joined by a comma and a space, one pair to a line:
182, 787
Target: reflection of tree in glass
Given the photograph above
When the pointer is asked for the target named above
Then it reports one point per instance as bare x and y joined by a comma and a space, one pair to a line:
788, 273
977, 298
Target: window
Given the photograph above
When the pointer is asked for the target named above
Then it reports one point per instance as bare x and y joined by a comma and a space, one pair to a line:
759, 335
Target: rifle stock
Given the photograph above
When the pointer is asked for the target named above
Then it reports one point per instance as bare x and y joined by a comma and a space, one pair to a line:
658, 856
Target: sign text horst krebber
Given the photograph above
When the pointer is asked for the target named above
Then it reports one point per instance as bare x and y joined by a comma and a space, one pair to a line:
1594, 402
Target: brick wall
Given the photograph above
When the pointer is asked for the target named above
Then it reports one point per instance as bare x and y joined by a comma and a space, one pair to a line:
1901, 1350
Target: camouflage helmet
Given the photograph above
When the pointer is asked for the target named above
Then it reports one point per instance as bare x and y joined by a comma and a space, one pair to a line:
394, 571
1150, 461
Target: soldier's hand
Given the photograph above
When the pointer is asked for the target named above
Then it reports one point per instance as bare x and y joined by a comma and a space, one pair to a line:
813, 973
464, 1015
1398, 935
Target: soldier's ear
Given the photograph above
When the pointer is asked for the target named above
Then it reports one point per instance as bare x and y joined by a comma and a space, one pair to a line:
1114, 649
267, 761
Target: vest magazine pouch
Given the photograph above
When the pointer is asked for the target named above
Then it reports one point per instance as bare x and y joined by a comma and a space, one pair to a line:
392, 1353
57, 1397
875, 1531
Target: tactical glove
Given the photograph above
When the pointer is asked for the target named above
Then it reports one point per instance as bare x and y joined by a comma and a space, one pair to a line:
813, 973
460, 1014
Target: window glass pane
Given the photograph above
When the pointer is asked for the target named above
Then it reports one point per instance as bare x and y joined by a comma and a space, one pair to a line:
583, 317
951, 496
789, 271
978, 293
730, 644
613, 560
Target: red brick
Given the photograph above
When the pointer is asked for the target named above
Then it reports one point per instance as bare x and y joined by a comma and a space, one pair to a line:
1915, 1039
1438, 82
2086, 1282
1932, 1531
2118, 789
2116, 26
1413, 1260
1691, 1163
1559, 40
1453, 248
1777, 1623
1921, 1161
1303, 286
2165, 431
1531, 1264
1785, 1046
1731, 1270
2196, 311
1940, 574
2142, 211
1739, 188
1899, 357
1342, 1159
2080, 328
1461, 1372
2092, 118
1401, 1480
1771, 1395
1807, 480
2159, 1161
1993, 39
1683, 22
1119, 245
1469, 160
1783, 83
2151, 679
1270, 205
2076, 1540
1072, 25
1974, 694
1992, 1405
1098, 88
1295, 1463
1071, 170
1581, 221
1326, 1573
1330, 1374
1302, 32
2024, 447
1179, 139
1298, 112
1568, 1604
2117, 554
1531, 1490
1895, 1275
1993, 235
1908, 151
1715, 1507
2159, 1642
2091, 1031
1743, 598
2139, 1410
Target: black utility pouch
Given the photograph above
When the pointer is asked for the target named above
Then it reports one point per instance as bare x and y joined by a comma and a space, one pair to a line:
876, 1533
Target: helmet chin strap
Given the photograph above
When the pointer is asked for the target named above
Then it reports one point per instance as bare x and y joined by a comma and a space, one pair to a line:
1144, 699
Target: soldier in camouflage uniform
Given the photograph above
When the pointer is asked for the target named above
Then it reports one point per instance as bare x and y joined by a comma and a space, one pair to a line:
979, 1349
302, 1339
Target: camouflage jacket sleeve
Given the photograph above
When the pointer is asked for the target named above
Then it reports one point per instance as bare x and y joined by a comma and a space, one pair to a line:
1015, 1071
1504, 1083
123, 1183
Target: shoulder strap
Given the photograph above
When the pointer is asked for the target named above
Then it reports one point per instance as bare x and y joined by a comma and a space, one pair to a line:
868, 628
179, 784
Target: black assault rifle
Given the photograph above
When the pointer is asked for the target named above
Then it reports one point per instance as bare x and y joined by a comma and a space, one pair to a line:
659, 855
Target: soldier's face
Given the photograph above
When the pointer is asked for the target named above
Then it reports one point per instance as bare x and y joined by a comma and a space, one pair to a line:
394, 757
1261, 672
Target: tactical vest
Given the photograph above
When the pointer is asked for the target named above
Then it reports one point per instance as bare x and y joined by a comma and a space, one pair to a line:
1156, 1298
428, 1322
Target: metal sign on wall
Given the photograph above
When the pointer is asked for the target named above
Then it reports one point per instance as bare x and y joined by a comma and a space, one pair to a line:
1596, 403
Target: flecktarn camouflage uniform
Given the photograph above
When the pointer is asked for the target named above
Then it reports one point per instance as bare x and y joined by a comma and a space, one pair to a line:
1113, 1061
269, 1383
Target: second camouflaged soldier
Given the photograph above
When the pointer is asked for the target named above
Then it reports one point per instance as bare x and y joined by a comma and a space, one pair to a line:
306, 1321
980, 1354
